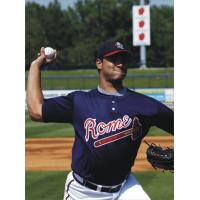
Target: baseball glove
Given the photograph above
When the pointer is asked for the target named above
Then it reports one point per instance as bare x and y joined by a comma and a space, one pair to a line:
161, 158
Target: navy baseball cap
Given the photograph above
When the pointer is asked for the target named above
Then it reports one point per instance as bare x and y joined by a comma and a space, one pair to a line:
110, 48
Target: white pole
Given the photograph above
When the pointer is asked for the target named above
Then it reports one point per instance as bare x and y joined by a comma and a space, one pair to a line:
142, 49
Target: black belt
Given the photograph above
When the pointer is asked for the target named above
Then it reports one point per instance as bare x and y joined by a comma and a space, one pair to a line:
93, 186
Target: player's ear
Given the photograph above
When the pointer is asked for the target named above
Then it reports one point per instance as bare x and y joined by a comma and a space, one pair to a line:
99, 63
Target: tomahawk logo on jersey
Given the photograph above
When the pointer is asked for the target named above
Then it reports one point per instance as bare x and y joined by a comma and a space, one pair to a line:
95, 130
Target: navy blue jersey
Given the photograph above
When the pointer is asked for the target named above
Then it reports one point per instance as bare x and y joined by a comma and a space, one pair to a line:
108, 130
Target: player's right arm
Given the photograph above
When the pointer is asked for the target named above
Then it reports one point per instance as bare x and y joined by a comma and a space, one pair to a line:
34, 96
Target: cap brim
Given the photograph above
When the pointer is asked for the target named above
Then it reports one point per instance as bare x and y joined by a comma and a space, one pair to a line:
116, 52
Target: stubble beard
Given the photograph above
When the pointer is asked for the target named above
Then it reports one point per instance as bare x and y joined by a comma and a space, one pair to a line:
116, 82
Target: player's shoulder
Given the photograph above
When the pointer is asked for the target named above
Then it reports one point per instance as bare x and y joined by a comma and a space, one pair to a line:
142, 97
136, 94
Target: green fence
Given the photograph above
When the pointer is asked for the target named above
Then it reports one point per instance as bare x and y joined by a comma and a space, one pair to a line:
87, 79
91, 81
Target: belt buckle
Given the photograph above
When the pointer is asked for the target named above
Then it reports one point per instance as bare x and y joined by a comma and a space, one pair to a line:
99, 188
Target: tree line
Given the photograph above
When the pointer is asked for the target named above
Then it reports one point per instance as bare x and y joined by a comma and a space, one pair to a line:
77, 32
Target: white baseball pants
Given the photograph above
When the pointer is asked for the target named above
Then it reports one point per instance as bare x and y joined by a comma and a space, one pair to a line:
130, 190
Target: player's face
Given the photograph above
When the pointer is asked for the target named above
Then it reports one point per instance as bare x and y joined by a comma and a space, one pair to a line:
114, 67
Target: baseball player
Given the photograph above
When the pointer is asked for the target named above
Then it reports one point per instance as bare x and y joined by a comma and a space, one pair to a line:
109, 123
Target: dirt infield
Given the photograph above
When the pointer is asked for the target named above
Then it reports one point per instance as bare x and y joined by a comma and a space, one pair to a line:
45, 154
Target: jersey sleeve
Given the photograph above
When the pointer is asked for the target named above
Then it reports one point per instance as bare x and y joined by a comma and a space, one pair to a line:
164, 118
58, 109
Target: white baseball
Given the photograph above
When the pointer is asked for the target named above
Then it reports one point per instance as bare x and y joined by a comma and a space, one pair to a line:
49, 53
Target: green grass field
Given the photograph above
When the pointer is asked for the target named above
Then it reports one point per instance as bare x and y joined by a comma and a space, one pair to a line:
41, 130
50, 185
88, 83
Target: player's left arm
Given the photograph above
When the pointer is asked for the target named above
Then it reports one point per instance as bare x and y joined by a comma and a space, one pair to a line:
164, 118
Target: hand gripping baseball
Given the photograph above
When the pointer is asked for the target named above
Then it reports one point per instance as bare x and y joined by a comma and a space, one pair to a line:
47, 55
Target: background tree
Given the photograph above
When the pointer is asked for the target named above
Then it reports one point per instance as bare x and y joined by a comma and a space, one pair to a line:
34, 31
77, 32
161, 51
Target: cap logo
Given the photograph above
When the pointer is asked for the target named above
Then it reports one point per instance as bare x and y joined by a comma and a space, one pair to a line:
119, 45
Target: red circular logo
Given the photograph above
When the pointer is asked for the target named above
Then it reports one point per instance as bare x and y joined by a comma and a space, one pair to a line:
142, 36
141, 11
141, 24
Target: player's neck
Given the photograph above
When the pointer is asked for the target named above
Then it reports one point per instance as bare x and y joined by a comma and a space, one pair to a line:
111, 86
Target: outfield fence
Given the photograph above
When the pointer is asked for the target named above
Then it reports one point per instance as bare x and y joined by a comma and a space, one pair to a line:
91, 81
